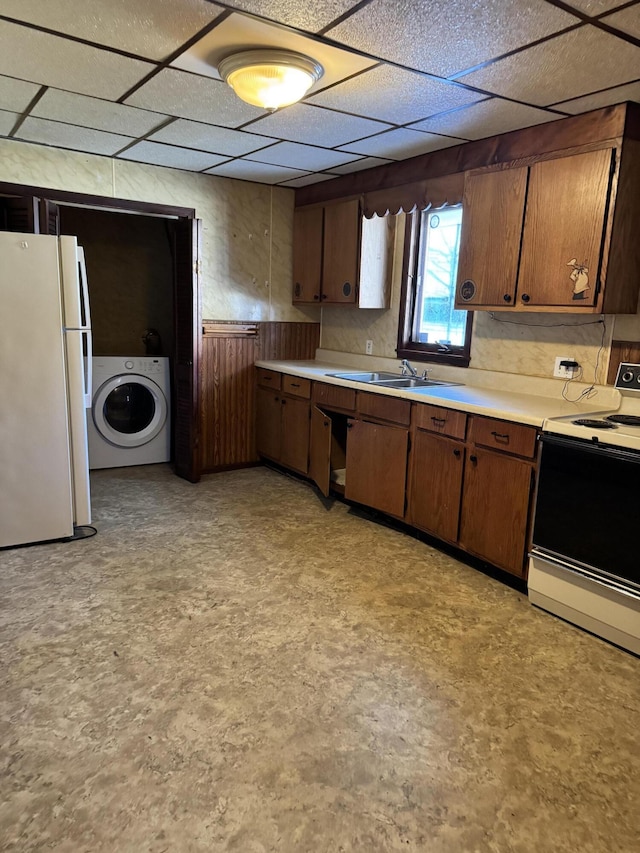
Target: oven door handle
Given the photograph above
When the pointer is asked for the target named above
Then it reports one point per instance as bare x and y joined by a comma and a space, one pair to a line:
590, 447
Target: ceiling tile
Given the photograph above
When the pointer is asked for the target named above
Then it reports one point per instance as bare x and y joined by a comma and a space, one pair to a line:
358, 165
394, 95
306, 123
630, 92
7, 122
169, 155
305, 16
486, 118
571, 65
91, 112
206, 137
300, 156
308, 179
400, 144
447, 36
149, 28
627, 20
16, 94
65, 64
595, 7
191, 96
70, 136
260, 172
239, 32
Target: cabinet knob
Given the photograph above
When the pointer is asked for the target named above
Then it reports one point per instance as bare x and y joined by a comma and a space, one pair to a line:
526, 297
507, 297
457, 453
324, 296
315, 296
284, 402
346, 289
474, 459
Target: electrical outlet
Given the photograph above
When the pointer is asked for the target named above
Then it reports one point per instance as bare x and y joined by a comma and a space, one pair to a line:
369, 348
563, 372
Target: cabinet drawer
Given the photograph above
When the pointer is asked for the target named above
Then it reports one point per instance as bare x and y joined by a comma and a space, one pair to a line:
503, 435
384, 408
445, 421
296, 386
269, 378
334, 396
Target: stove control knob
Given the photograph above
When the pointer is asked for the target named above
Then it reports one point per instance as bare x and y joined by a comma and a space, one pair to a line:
627, 376
128, 365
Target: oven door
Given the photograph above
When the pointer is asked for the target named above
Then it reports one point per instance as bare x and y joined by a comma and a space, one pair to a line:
588, 508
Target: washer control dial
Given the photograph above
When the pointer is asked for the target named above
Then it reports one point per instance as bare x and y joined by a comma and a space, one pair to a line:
128, 365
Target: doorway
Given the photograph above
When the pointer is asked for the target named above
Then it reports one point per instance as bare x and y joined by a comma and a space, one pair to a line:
41, 210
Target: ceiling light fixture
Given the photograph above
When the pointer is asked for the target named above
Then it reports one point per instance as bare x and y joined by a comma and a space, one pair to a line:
270, 78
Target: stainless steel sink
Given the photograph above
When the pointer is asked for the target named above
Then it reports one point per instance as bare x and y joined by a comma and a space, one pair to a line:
391, 380
365, 377
412, 382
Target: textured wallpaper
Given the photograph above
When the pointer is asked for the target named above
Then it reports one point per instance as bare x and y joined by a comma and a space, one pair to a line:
246, 263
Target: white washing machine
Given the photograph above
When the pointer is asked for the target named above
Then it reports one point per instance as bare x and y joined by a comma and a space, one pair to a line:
129, 422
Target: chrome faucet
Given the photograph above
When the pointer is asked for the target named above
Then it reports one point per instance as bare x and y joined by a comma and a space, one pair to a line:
407, 368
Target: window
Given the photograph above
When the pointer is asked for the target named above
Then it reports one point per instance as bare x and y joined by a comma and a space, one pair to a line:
430, 328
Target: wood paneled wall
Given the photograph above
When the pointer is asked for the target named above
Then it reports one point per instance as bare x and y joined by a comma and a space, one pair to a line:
229, 352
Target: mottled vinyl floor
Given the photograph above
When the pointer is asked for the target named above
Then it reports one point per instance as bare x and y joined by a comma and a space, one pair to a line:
240, 666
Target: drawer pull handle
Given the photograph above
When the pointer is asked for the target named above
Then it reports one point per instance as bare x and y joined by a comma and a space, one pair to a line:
439, 420
295, 384
502, 435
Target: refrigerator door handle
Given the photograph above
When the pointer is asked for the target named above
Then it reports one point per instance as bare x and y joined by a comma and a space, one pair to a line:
88, 370
84, 291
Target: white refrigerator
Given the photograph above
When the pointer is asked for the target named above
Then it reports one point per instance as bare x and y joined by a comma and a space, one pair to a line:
45, 388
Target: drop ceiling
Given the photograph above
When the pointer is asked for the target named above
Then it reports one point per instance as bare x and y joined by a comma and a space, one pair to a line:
139, 81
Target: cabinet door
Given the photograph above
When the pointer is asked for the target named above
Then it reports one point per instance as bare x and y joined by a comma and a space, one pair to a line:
294, 447
377, 466
320, 450
436, 484
492, 215
341, 252
307, 254
564, 229
269, 411
495, 508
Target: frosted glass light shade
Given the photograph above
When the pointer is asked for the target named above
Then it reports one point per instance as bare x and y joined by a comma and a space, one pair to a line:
270, 78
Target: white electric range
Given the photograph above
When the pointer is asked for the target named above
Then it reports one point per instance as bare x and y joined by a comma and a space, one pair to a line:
585, 561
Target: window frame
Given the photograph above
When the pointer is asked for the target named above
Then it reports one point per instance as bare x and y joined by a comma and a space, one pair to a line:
458, 356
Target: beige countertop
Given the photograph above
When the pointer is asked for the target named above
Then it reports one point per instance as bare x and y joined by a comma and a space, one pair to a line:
508, 405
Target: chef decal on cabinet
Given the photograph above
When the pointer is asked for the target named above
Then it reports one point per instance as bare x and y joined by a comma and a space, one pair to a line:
580, 278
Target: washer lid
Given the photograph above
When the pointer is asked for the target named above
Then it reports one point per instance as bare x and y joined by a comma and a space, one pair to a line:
129, 410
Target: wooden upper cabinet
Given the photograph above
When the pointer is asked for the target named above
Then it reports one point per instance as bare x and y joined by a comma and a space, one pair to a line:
307, 254
564, 230
555, 235
341, 258
341, 252
493, 212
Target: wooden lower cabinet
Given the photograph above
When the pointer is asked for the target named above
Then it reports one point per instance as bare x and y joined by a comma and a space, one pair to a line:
494, 516
437, 466
283, 429
294, 434
377, 466
269, 415
470, 487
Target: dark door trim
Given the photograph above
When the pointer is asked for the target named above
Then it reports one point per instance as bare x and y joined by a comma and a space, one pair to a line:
106, 202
